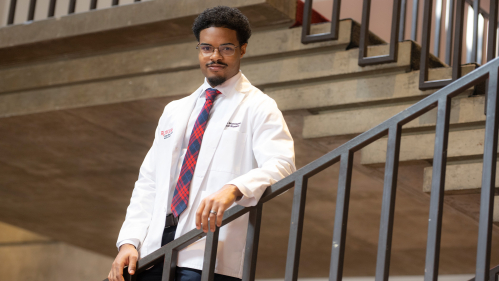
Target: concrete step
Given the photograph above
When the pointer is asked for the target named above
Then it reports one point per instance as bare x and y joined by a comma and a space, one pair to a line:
463, 178
349, 93
463, 145
271, 72
465, 109
160, 59
139, 24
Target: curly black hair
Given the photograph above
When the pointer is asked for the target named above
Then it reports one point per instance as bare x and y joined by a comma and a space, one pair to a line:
222, 16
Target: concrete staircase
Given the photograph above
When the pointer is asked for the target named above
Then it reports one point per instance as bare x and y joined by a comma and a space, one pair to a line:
76, 126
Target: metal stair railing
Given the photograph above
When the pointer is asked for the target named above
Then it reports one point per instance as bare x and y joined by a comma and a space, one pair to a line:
493, 274
392, 127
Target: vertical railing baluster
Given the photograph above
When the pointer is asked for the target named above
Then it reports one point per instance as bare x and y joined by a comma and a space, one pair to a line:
341, 217
169, 265
252, 239
93, 4
210, 255
488, 179
388, 204
364, 29
438, 28
335, 20
492, 40
403, 11
437, 190
415, 14
296, 229
116, 2
31, 11
51, 12
492, 37
449, 19
474, 46
72, 6
12, 12
425, 45
479, 53
458, 40
307, 16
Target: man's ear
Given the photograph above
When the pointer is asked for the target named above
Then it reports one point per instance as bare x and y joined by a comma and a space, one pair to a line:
243, 49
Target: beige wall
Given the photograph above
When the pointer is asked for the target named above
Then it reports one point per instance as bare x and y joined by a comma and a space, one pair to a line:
26, 255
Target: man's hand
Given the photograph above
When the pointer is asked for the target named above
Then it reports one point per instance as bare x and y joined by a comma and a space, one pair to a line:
218, 202
128, 255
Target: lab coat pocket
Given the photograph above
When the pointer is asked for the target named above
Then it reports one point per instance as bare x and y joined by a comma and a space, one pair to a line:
229, 153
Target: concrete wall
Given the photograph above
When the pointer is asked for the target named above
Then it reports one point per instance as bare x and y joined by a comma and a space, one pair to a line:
41, 10
25, 255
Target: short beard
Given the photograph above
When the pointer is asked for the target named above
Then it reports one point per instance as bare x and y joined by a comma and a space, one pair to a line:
215, 81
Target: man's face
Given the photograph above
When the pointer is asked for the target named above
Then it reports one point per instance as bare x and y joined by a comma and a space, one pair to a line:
216, 67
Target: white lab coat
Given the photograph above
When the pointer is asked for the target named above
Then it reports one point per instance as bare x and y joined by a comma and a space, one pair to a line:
246, 143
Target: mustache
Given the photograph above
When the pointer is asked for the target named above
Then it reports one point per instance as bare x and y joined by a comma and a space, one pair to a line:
220, 63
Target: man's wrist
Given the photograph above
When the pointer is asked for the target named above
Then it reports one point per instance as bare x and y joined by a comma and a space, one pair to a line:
127, 245
237, 193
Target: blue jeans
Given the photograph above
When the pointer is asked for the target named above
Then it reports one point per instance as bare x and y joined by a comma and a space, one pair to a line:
181, 273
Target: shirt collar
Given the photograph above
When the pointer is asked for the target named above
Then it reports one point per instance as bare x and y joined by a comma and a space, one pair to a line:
227, 88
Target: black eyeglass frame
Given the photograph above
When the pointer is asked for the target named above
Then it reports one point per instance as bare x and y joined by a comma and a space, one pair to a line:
228, 44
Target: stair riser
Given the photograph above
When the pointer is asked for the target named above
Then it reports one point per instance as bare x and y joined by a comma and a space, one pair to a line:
464, 110
167, 58
466, 144
261, 73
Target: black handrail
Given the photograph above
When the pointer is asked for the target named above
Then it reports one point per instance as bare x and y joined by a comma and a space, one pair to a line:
344, 154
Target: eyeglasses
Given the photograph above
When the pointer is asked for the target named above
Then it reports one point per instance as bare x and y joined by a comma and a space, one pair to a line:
224, 50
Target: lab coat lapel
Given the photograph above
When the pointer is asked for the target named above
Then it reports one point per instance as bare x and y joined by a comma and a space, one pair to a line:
211, 138
183, 113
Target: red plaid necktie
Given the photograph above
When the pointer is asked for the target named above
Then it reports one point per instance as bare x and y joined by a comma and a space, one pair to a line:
181, 194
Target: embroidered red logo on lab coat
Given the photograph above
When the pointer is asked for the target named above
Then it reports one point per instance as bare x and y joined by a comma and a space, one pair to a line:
166, 134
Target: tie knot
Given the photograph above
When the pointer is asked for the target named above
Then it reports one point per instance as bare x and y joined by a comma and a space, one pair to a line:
211, 94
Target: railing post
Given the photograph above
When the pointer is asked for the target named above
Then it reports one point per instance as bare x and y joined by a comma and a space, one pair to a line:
476, 12
449, 19
438, 28
296, 229
170, 265
31, 11
437, 190
72, 6
341, 217
252, 239
403, 11
458, 40
388, 204
415, 14
488, 179
51, 8
93, 4
210, 255
12, 12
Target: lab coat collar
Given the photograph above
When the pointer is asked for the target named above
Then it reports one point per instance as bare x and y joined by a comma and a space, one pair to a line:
227, 88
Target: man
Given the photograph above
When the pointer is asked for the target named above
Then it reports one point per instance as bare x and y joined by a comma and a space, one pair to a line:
223, 144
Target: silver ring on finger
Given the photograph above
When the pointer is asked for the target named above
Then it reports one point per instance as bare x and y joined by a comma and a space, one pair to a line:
213, 212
